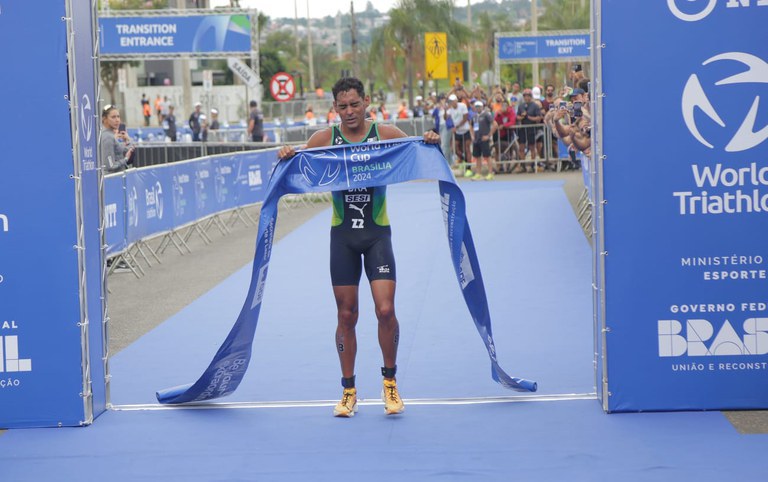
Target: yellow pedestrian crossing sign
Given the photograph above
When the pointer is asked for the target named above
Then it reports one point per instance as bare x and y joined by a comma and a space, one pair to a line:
436, 55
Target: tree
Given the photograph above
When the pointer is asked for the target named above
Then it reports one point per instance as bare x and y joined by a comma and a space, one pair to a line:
404, 33
108, 70
488, 25
564, 15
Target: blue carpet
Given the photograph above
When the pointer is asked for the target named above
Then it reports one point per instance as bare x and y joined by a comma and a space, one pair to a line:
536, 266
558, 441
537, 271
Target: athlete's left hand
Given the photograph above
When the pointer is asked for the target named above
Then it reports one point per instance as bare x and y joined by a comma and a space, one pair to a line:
431, 137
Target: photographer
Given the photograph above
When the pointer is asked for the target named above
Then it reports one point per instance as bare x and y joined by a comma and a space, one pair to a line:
573, 122
529, 113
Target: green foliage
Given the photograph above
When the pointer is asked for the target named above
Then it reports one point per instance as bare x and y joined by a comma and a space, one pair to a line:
136, 4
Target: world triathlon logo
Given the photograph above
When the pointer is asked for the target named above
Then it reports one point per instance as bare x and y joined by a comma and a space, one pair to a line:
693, 11
321, 162
698, 98
86, 118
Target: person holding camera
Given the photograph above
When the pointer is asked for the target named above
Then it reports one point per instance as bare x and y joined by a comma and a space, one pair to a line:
572, 124
529, 113
115, 147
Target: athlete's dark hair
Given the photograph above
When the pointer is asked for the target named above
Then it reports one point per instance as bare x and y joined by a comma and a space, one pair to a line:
348, 83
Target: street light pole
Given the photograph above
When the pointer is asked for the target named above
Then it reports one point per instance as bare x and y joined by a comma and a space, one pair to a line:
309, 46
535, 29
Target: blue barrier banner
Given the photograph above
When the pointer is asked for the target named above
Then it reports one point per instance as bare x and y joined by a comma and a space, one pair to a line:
148, 193
225, 182
565, 46
337, 168
686, 270
205, 195
40, 348
252, 175
115, 213
195, 34
184, 193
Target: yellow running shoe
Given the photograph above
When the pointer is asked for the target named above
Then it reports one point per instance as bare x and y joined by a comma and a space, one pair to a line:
469, 173
477, 177
393, 404
348, 404
490, 176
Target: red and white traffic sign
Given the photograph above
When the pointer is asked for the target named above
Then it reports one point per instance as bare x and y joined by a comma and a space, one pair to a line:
282, 87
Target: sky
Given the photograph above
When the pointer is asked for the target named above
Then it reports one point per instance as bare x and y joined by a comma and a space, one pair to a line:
285, 8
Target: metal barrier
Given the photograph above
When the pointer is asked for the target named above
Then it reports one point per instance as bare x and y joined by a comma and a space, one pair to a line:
505, 152
154, 153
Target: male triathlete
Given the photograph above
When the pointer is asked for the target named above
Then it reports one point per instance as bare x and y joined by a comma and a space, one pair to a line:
360, 228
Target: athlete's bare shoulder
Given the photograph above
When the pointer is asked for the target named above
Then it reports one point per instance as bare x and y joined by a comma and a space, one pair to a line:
389, 131
320, 138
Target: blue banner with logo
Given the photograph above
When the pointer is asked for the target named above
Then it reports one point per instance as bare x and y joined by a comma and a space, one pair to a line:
184, 193
332, 169
205, 196
252, 175
148, 192
686, 262
193, 34
115, 214
40, 349
225, 182
561, 46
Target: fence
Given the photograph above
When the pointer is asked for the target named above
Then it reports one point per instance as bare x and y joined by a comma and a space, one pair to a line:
175, 201
506, 152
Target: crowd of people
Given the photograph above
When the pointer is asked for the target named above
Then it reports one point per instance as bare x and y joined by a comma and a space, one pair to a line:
520, 127
509, 123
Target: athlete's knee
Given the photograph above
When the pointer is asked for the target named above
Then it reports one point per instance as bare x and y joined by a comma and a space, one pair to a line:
347, 318
385, 312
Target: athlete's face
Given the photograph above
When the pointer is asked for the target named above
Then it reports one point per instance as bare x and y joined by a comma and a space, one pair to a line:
351, 107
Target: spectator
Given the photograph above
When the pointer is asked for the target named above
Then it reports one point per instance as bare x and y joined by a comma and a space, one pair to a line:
505, 120
497, 101
383, 111
194, 122
309, 116
159, 109
203, 127
402, 111
515, 96
576, 75
169, 123
548, 104
319, 92
418, 109
255, 123
442, 127
459, 115
459, 91
478, 94
146, 109
332, 117
529, 113
164, 109
115, 147
214, 125
483, 129
573, 125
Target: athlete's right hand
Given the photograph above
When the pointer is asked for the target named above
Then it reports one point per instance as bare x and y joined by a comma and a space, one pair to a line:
286, 152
